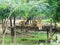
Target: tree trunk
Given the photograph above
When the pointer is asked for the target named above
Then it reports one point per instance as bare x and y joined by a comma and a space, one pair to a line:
55, 28
47, 35
3, 25
12, 29
4, 30
50, 31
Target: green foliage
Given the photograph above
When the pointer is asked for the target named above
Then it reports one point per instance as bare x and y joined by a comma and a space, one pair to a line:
55, 7
4, 11
34, 8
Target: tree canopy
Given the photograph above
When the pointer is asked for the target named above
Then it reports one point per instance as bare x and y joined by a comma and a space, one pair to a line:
30, 8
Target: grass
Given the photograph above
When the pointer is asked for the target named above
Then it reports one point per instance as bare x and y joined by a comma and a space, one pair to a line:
33, 38
34, 44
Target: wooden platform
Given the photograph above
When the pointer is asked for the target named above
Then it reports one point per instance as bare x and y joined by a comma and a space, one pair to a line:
44, 28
